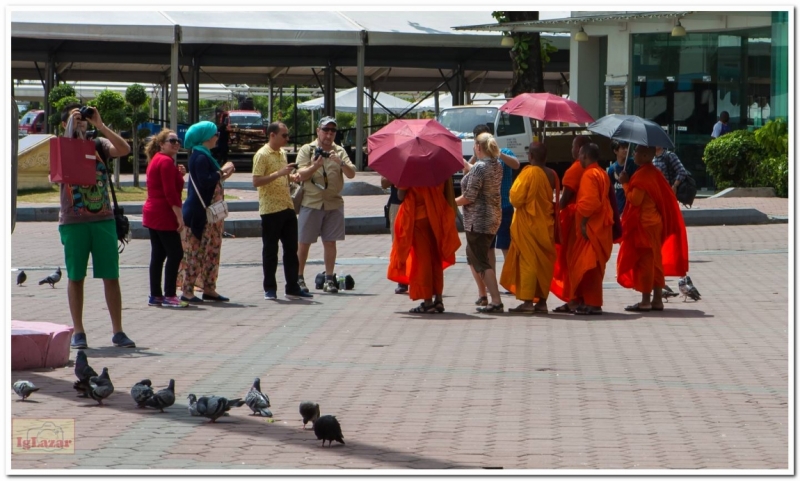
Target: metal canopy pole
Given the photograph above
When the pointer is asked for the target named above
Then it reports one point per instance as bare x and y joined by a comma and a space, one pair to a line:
269, 110
50, 73
164, 106
360, 104
295, 117
173, 97
194, 91
330, 90
436, 103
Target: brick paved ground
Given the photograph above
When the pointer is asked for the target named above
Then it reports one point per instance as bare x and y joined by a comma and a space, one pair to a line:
701, 385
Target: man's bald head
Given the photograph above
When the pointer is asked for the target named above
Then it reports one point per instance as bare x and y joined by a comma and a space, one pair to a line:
577, 143
538, 152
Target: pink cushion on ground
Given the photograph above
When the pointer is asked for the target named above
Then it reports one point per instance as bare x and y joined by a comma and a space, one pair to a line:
39, 344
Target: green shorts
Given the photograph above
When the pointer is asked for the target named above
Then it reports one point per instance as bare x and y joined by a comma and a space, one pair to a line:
99, 239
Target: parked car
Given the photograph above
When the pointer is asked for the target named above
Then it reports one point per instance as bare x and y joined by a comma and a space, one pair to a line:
31, 123
247, 129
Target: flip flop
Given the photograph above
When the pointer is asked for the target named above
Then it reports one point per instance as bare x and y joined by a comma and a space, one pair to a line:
588, 312
563, 309
636, 308
522, 311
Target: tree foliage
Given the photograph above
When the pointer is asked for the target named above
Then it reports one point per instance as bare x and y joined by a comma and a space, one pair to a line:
60, 96
528, 55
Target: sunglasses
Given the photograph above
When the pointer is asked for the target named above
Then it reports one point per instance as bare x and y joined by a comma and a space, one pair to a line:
328, 129
174, 141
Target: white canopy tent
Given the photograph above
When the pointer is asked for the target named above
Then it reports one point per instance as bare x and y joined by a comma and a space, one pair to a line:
346, 102
33, 90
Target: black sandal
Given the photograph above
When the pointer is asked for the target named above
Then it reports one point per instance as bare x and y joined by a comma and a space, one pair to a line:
563, 309
491, 308
423, 308
482, 301
438, 307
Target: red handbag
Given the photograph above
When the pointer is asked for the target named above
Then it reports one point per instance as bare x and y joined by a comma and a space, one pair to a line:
73, 161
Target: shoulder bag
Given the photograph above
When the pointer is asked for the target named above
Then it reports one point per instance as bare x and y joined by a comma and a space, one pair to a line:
215, 212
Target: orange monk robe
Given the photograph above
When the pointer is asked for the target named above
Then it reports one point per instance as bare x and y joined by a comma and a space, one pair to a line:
560, 285
587, 258
528, 267
425, 242
654, 241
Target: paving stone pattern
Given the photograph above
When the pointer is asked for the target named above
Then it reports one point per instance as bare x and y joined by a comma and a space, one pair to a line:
699, 386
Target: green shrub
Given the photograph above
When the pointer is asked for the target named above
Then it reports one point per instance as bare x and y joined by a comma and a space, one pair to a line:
774, 137
773, 171
734, 159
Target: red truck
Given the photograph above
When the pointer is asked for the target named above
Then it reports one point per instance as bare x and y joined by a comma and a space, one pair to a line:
31, 123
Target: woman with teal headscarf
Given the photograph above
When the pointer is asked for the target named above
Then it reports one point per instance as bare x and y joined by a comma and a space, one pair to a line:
202, 242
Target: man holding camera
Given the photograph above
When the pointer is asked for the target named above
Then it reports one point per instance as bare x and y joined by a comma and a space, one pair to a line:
322, 166
271, 174
87, 226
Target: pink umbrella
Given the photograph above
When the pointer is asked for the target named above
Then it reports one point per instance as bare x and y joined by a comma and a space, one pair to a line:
415, 153
548, 107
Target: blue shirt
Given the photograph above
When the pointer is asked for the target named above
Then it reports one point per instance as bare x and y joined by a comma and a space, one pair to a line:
508, 180
613, 172
720, 129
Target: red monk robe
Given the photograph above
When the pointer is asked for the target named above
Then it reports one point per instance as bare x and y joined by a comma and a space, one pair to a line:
654, 241
425, 242
587, 258
560, 285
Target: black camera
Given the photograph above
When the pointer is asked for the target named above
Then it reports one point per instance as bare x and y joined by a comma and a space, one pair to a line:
321, 152
87, 112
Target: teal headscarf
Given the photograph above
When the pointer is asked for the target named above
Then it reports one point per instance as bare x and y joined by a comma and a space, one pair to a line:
199, 133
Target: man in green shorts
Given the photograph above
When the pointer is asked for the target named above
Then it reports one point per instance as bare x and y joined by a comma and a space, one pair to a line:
86, 224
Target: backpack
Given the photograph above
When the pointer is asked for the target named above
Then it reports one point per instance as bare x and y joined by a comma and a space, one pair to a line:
687, 190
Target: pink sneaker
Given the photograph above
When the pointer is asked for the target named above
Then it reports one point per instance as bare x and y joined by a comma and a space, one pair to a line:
173, 302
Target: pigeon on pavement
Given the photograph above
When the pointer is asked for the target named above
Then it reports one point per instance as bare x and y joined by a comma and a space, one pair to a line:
84, 372
52, 279
21, 278
213, 407
24, 389
687, 289
163, 398
310, 412
667, 293
257, 401
327, 428
141, 392
192, 405
100, 387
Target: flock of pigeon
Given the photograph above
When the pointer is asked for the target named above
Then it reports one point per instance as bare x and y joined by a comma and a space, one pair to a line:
90, 385
51, 280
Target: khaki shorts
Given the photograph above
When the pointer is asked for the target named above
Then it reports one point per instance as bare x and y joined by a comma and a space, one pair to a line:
478, 245
314, 223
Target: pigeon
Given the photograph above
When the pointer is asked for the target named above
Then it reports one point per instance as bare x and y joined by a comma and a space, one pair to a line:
192, 405
84, 372
214, 407
257, 400
24, 389
687, 289
52, 279
21, 278
100, 386
163, 398
141, 392
310, 412
666, 293
327, 428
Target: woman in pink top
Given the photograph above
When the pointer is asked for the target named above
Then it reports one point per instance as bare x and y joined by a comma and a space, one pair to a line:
162, 215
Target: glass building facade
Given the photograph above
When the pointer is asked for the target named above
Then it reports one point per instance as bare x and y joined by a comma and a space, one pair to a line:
684, 83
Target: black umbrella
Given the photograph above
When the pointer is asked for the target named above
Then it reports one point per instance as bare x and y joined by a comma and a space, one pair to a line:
632, 129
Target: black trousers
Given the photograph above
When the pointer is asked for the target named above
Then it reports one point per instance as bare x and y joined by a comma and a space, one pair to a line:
164, 244
280, 226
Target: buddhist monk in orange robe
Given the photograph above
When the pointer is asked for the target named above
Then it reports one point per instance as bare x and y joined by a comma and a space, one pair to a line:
528, 267
654, 240
425, 243
594, 217
565, 225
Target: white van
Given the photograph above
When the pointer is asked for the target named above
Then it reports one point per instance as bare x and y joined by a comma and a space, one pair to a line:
511, 131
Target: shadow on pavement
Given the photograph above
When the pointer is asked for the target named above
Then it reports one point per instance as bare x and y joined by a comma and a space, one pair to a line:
240, 423
113, 351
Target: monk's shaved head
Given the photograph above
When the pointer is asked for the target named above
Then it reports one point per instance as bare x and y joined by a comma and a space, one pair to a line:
538, 152
577, 143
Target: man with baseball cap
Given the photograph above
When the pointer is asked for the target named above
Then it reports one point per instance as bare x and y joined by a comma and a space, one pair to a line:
321, 166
